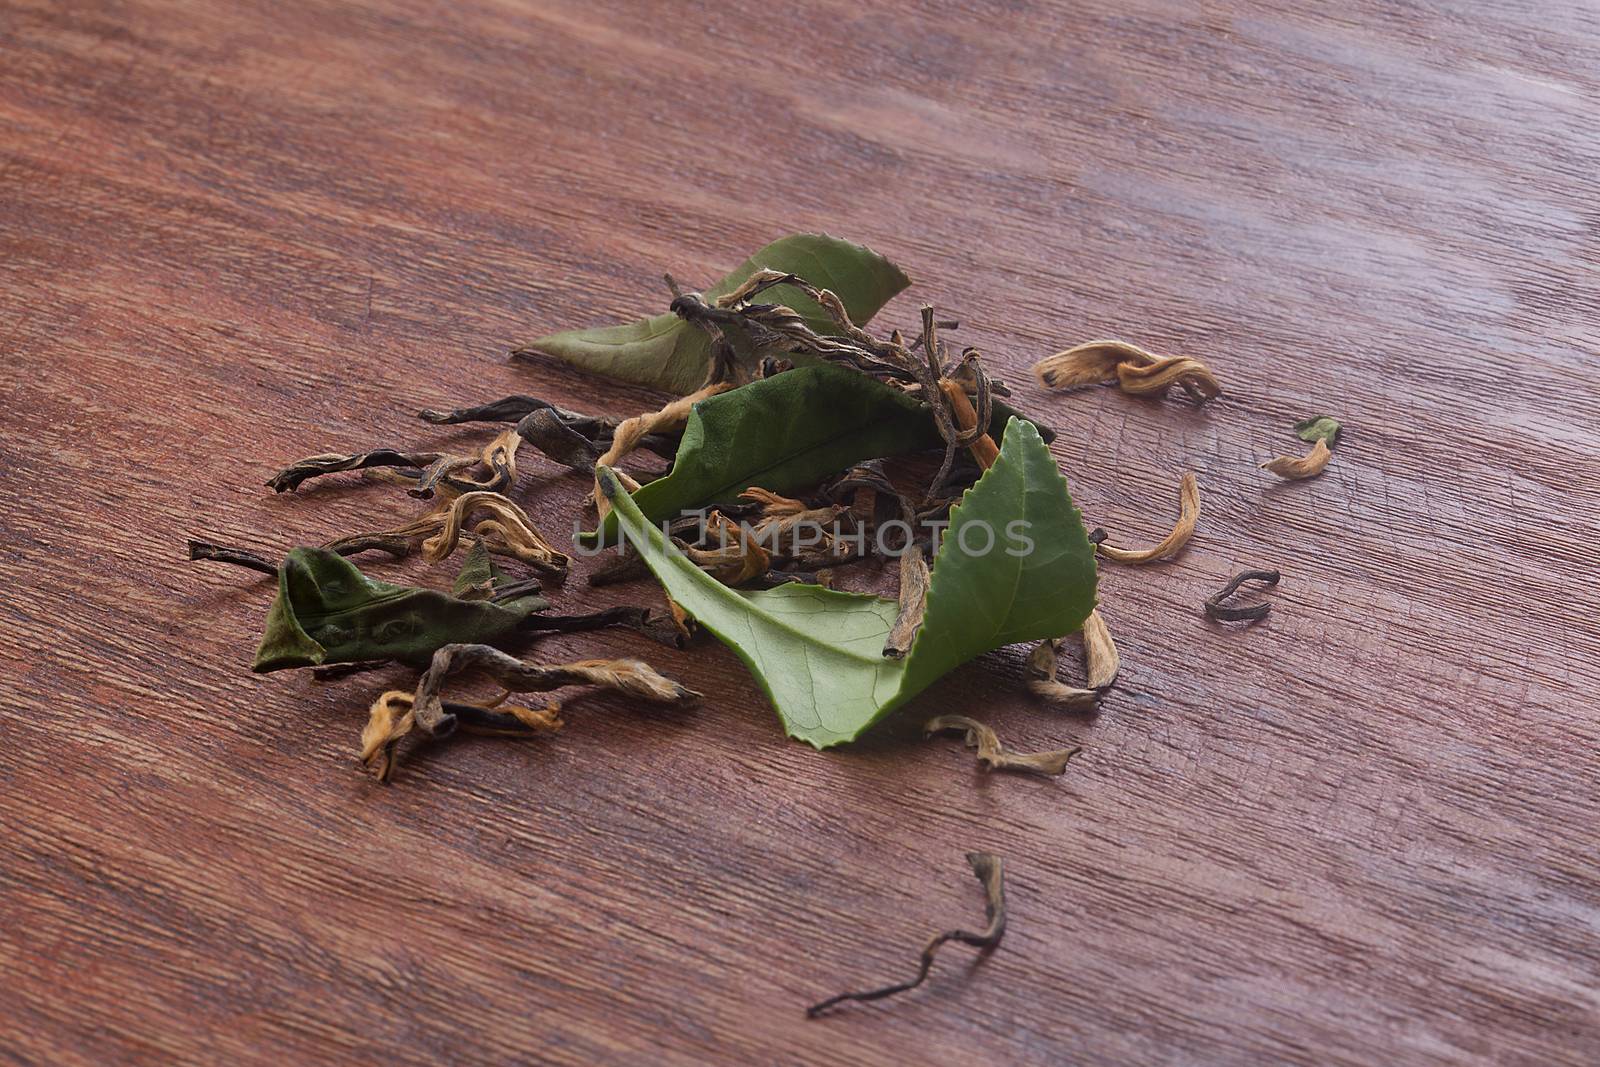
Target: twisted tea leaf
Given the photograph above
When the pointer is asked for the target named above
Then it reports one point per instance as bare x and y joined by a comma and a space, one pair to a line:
990, 870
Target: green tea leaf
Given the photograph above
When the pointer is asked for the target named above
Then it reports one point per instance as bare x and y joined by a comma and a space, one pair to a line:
1319, 428
327, 611
818, 652
781, 433
664, 352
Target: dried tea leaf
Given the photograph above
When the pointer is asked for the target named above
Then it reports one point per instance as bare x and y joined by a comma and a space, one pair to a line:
422, 472
632, 431
1297, 467
992, 754
914, 578
391, 718
773, 505
291, 477
990, 871
1100, 652
1136, 371
738, 558
1219, 612
1182, 530
630, 676
666, 352
327, 612
1101, 663
497, 520
545, 430
1041, 670
239, 557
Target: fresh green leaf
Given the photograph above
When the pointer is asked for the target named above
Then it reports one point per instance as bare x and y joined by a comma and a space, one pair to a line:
1319, 428
783, 433
327, 611
818, 652
664, 352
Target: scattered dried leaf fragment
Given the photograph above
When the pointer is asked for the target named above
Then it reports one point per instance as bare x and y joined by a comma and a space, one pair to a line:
1173, 542
992, 754
1217, 611
1322, 432
914, 580
990, 871
631, 432
1295, 468
1136, 371
1101, 663
391, 719
630, 676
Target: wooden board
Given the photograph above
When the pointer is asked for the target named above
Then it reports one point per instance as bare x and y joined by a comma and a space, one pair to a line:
1362, 832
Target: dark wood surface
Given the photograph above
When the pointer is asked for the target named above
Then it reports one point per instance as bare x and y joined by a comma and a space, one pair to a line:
1362, 832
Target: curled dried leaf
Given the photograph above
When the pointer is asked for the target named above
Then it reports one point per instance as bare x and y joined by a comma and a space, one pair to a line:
422, 472
807, 532
1219, 612
630, 676
1042, 682
392, 718
1182, 530
389, 720
738, 557
772, 505
290, 478
505, 528
914, 578
1136, 371
545, 430
682, 621
1296, 467
992, 754
990, 871
1100, 652
239, 557
631, 432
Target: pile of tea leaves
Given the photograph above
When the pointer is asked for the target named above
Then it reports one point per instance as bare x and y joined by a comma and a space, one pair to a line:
807, 455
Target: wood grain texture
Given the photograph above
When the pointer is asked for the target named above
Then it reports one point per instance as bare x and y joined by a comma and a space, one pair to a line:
1362, 832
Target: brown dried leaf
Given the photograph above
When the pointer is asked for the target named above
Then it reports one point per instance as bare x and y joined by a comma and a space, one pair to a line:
990, 870
992, 754
914, 577
1296, 467
738, 557
1047, 688
1099, 652
629, 676
630, 432
1188, 515
772, 504
1135, 370
392, 718
506, 530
